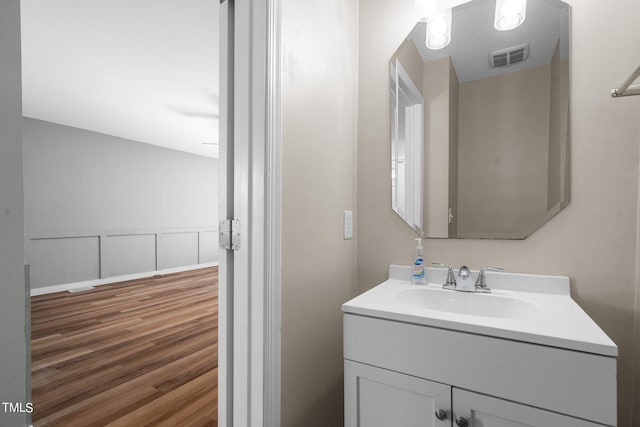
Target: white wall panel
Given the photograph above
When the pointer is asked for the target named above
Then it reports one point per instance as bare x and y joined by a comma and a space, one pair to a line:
208, 244
128, 254
177, 249
63, 260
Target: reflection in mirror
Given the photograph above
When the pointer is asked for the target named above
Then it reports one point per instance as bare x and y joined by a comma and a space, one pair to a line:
493, 157
406, 147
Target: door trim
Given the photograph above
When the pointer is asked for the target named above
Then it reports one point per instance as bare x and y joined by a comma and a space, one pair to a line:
250, 188
225, 210
273, 300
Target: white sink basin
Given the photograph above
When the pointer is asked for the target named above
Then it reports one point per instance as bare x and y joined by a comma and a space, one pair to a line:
473, 304
522, 307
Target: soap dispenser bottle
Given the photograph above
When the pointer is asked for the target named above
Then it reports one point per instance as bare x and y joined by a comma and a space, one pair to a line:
418, 276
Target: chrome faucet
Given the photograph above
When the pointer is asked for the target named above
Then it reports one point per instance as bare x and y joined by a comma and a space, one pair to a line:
451, 278
465, 276
481, 282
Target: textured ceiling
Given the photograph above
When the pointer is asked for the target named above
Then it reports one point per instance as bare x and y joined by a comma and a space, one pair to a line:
145, 70
473, 37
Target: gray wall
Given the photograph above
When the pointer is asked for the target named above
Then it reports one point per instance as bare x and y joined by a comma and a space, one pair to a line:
98, 206
593, 240
503, 158
319, 105
13, 341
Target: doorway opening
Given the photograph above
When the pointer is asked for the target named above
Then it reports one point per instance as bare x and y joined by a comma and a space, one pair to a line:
120, 141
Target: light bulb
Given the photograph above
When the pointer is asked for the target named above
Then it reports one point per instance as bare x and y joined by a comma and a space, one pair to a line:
439, 30
510, 14
425, 9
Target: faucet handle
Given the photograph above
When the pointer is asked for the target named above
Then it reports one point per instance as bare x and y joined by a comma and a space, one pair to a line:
482, 270
481, 283
451, 278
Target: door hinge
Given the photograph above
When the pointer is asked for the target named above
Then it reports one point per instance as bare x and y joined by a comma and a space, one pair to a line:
230, 234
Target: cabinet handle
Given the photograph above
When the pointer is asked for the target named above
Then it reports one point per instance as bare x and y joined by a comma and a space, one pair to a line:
441, 414
462, 422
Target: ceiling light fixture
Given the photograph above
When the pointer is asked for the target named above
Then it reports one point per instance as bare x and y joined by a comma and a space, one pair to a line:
439, 29
510, 14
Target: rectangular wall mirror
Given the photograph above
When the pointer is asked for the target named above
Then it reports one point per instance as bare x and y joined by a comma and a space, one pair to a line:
480, 127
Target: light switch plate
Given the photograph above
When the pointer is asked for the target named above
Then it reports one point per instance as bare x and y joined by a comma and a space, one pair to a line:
348, 225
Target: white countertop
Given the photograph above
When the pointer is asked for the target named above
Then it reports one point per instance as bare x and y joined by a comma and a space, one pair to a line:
556, 321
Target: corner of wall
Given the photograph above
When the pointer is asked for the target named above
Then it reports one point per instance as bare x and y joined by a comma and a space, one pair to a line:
14, 341
635, 393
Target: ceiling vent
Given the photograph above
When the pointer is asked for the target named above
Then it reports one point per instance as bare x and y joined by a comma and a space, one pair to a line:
509, 56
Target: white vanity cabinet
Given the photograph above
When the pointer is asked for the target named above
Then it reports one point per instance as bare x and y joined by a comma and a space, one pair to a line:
526, 355
376, 397
399, 375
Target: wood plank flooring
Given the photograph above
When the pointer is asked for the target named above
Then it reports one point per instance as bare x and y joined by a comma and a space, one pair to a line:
136, 353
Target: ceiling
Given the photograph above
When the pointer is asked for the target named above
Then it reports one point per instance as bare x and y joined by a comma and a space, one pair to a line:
145, 70
473, 37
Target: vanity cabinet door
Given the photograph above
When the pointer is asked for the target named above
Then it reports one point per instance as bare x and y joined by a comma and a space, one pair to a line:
480, 410
376, 397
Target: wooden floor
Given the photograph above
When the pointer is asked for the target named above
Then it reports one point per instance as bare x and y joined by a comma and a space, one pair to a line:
137, 353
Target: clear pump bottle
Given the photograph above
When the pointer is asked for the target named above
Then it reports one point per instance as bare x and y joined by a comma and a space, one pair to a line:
418, 276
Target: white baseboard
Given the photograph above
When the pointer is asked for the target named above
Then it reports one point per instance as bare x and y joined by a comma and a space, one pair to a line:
123, 278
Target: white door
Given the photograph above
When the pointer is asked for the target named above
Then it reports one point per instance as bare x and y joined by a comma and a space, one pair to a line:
478, 410
376, 397
249, 311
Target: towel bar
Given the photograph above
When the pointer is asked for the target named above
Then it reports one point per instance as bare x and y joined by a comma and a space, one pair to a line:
626, 88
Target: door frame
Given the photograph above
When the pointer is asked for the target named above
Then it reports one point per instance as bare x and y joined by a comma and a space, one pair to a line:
249, 328
250, 190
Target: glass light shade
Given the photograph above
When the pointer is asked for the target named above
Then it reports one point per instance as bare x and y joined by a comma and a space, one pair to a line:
425, 9
439, 30
510, 14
